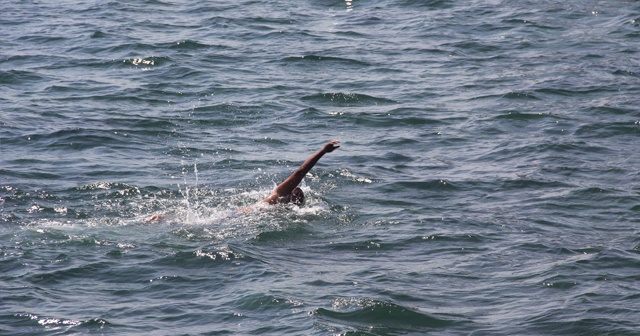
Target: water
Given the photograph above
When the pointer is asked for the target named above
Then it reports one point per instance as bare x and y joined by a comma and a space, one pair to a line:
487, 182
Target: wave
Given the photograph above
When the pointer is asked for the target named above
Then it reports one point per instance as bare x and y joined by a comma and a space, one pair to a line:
204, 257
79, 139
397, 118
520, 95
55, 324
148, 61
289, 233
311, 59
516, 116
378, 317
428, 4
347, 99
20, 77
603, 130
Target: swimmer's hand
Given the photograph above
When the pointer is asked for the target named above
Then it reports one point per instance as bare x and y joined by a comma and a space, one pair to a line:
331, 146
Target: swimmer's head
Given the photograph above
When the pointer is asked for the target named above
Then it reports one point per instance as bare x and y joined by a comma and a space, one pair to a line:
297, 197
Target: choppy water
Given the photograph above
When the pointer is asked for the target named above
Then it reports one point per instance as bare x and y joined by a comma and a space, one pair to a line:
488, 182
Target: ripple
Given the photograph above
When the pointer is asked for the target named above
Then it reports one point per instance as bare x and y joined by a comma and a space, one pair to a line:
189, 45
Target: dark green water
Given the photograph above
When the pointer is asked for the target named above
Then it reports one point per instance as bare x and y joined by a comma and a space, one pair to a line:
488, 181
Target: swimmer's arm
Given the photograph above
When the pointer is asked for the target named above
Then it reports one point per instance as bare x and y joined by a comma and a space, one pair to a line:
286, 187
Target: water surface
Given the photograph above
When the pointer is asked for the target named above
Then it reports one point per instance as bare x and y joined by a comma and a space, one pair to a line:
487, 182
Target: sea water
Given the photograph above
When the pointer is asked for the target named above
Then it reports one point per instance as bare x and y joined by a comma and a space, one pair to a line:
487, 184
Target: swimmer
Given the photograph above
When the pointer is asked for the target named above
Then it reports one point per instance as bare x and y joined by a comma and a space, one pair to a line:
287, 191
